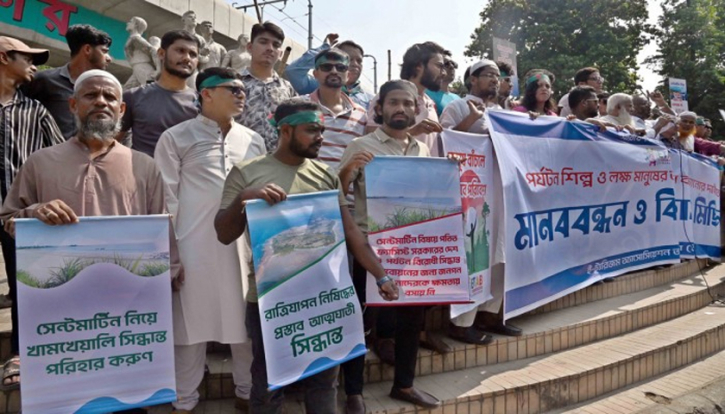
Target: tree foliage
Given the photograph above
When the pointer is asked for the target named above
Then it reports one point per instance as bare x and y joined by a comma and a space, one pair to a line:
566, 35
691, 39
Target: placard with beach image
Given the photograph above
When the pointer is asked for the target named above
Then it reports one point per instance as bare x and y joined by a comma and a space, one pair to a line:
94, 303
310, 315
415, 225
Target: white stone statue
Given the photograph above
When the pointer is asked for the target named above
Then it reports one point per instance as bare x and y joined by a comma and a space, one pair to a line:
238, 59
188, 19
216, 52
140, 54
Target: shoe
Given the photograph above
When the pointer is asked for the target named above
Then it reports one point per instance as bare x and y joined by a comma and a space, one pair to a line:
385, 348
492, 323
416, 396
434, 343
242, 405
469, 335
355, 405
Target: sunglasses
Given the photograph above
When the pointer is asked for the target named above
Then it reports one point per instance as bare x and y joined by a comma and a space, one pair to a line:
327, 67
235, 90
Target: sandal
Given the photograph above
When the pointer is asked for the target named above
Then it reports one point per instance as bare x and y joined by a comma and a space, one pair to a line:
11, 369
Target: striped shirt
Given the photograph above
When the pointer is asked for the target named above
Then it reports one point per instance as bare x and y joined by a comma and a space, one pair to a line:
26, 126
340, 129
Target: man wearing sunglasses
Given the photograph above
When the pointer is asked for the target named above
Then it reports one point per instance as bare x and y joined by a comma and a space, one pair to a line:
194, 158
584, 77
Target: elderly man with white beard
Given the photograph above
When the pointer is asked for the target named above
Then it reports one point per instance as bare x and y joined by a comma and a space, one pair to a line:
619, 110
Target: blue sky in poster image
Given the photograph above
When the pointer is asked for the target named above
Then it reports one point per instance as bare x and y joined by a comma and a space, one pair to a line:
387, 176
93, 231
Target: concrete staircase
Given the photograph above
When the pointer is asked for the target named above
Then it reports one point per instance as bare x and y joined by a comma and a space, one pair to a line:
590, 351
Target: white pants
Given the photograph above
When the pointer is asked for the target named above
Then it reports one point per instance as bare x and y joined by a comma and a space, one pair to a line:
189, 361
466, 320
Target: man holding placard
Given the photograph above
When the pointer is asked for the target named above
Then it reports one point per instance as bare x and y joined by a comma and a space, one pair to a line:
291, 169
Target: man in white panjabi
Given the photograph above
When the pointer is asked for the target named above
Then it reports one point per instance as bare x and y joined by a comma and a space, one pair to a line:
195, 158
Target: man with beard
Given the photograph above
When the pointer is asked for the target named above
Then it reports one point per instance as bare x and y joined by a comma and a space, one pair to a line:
291, 169
344, 119
263, 87
443, 97
619, 109
298, 71
423, 64
88, 50
505, 85
90, 174
27, 127
152, 109
395, 111
681, 135
195, 158
467, 114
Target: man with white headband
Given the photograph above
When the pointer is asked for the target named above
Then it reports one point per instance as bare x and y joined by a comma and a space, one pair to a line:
90, 174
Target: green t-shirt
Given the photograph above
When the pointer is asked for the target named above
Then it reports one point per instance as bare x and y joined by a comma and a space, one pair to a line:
308, 177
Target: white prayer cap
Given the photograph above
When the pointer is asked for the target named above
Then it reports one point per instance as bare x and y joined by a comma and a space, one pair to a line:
482, 64
688, 114
93, 73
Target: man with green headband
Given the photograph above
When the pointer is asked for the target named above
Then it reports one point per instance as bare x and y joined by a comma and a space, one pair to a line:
194, 158
291, 169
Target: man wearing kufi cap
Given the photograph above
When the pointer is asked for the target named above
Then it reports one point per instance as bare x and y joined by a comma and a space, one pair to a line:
27, 127
90, 174
466, 115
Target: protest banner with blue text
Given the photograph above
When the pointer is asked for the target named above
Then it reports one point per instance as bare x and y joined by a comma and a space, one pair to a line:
580, 205
415, 224
311, 318
697, 191
477, 189
95, 314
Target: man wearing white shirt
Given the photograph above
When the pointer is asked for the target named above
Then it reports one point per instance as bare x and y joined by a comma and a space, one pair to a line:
195, 158
467, 114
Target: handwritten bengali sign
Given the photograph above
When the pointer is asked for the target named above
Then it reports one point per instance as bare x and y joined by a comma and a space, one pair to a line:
415, 227
310, 314
477, 174
581, 206
95, 315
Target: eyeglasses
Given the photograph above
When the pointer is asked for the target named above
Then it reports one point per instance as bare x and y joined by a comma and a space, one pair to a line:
327, 67
235, 90
489, 75
597, 79
507, 79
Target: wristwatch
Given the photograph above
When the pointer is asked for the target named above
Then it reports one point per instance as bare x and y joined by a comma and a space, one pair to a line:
383, 280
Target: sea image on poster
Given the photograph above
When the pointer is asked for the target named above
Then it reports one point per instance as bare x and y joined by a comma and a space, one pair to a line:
310, 315
415, 227
94, 302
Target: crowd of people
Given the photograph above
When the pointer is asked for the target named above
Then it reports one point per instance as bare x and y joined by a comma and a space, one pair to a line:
76, 144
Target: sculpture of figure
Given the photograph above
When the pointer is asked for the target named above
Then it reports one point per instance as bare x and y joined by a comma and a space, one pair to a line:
140, 54
238, 59
216, 51
156, 43
188, 19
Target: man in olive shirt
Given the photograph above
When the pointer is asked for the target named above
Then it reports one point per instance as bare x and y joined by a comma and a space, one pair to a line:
395, 112
291, 169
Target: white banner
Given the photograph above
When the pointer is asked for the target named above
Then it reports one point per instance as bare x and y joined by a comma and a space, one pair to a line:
695, 210
579, 206
94, 303
414, 223
311, 317
477, 191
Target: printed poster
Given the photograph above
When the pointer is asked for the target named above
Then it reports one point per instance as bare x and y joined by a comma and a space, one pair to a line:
678, 95
505, 51
477, 188
94, 303
415, 226
310, 314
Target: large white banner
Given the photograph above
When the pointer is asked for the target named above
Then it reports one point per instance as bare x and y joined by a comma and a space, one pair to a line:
477, 190
415, 228
310, 314
94, 303
693, 205
579, 206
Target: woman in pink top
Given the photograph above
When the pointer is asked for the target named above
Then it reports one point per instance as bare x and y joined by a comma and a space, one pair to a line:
537, 96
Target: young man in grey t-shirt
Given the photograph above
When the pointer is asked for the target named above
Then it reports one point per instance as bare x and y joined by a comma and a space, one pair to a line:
154, 108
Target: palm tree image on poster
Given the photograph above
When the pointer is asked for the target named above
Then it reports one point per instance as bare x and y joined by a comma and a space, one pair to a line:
477, 235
